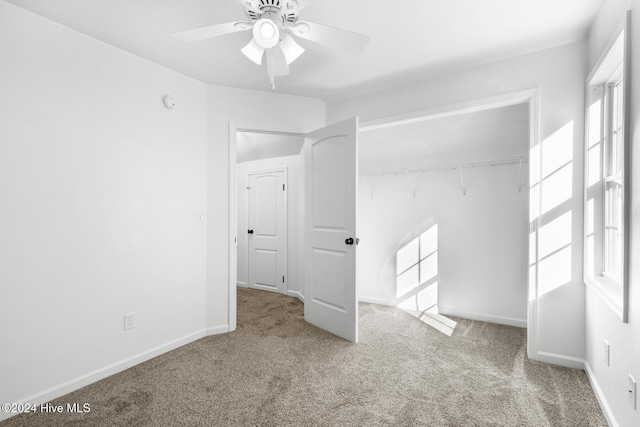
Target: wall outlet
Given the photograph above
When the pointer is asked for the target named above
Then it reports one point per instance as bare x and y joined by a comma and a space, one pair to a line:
607, 350
632, 392
129, 321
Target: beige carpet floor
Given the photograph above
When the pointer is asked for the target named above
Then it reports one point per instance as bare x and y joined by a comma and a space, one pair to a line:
277, 370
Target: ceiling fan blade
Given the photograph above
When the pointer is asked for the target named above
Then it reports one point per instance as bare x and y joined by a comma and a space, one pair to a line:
253, 51
211, 31
291, 49
249, 3
330, 36
276, 63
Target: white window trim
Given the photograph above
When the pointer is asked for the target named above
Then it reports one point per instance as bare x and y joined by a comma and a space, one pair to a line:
614, 293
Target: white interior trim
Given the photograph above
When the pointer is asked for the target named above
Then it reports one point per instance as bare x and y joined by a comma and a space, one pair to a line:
216, 330
534, 226
233, 229
604, 406
104, 372
378, 301
618, 49
296, 294
501, 320
560, 360
481, 104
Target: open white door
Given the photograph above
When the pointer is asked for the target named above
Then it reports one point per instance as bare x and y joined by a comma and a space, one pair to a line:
331, 184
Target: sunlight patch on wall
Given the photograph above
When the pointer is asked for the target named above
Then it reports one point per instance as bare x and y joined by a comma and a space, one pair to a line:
551, 225
557, 168
417, 264
557, 188
417, 281
554, 271
555, 235
557, 150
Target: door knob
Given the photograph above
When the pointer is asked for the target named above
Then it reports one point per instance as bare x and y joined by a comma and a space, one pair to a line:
250, 231
349, 241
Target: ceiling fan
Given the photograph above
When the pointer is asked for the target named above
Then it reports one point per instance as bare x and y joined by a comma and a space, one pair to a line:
273, 23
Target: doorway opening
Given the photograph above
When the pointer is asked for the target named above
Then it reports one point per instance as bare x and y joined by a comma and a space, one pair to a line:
327, 193
268, 175
468, 173
262, 151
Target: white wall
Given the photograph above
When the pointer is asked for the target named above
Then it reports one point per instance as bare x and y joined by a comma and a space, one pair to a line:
602, 324
482, 239
559, 75
251, 110
99, 190
295, 216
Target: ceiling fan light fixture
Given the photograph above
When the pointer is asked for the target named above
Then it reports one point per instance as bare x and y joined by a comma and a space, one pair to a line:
266, 33
291, 49
253, 51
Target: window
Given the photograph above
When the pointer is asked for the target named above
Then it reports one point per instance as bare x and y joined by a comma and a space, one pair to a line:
607, 176
613, 183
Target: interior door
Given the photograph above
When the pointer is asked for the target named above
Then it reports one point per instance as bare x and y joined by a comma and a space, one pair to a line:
331, 172
267, 233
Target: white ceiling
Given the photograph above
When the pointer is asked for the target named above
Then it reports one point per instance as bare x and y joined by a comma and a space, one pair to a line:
410, 39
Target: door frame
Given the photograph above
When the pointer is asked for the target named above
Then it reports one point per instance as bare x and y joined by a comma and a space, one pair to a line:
285, 171
531, 97
234, 128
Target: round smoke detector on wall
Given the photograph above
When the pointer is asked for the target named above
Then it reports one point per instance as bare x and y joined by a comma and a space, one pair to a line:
168, 102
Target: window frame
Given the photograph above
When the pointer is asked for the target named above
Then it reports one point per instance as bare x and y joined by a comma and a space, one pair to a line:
612, 176
610, 70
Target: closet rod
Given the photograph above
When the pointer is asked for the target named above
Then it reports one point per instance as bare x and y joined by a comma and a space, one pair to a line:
451, 166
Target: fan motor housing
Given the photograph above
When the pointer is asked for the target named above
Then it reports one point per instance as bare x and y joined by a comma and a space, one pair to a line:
282, 12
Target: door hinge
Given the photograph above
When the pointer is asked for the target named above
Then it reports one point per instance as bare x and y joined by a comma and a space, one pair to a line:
282, 187
282, 279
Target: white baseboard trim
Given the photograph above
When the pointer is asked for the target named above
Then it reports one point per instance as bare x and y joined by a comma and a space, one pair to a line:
509, 321
102, 373
560, 360
217, 330
296, 294
520, 323
379, 301
606, 410
241, 284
